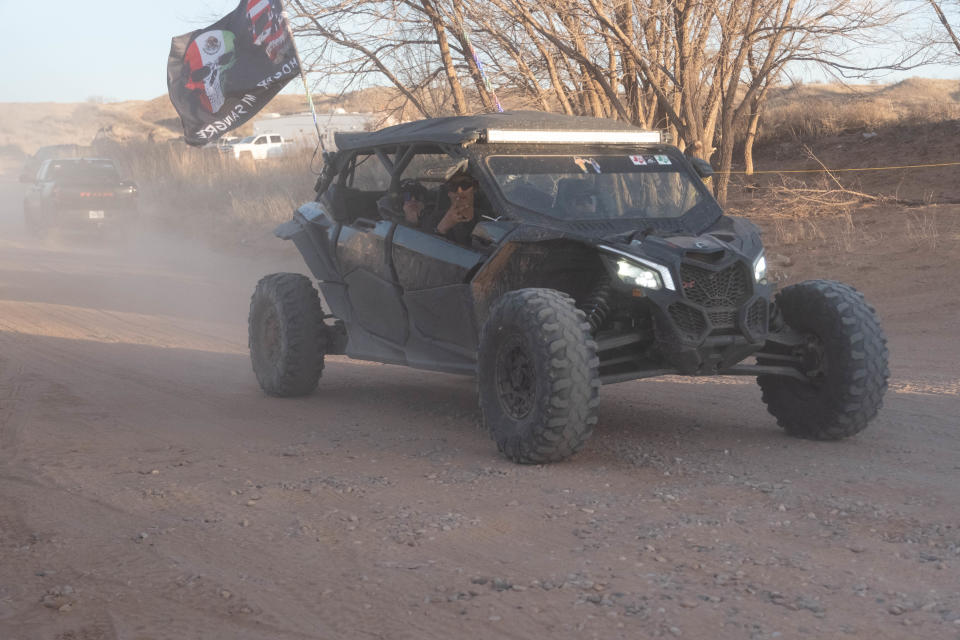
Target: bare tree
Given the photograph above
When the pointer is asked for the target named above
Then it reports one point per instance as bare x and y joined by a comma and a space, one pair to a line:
405, 43
699, 68
942, 17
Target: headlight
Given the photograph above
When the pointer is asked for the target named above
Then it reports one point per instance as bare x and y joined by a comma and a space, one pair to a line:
637, 275
760, 268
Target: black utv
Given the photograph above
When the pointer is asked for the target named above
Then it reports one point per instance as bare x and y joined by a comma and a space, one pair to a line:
597, 255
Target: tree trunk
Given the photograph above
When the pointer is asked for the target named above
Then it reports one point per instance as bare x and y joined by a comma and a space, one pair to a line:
726, 160
946, 24
555, 82
468, 52
752, 127
459, 100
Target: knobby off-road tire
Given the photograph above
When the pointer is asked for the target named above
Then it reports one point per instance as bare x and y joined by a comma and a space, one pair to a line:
537, 376
287, 335
845, 357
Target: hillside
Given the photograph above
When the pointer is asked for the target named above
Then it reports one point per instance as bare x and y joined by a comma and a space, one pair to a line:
815, 110
26, 126
818, 110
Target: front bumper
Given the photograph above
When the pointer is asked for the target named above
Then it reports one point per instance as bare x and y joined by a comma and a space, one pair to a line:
718, 315
89, 218
710, 316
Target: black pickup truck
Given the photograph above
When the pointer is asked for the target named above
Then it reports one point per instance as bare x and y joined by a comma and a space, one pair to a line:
78, 193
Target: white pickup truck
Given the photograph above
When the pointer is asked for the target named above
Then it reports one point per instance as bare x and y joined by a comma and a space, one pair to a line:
258, 147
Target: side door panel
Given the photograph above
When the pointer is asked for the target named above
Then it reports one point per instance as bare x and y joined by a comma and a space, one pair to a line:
362, 250
433, 274
424, 261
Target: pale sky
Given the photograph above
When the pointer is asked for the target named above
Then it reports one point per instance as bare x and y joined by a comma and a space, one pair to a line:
72, 50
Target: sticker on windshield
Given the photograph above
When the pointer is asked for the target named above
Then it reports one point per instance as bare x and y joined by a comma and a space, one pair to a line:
583, 163
662, 160
638, 160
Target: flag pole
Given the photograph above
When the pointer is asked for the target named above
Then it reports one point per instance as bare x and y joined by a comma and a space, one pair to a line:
303, 78
476, 60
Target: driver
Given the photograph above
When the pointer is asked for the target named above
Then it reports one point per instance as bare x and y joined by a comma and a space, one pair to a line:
456, 222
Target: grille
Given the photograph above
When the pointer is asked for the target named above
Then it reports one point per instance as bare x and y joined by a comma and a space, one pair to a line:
727, 288
723, 319
757, 317
689, 322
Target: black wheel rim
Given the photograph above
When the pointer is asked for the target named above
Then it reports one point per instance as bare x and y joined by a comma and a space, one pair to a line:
516, 379
269, 334
813, 360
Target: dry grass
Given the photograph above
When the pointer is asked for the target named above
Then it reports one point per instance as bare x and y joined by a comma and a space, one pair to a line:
815, 210
201, 190
789, 231
923, 230
851, 237
843, 232
855, 230
816, 111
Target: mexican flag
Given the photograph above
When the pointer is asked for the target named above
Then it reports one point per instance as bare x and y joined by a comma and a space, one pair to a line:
221, 76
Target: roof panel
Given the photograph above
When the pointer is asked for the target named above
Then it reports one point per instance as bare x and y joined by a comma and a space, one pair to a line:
461, 129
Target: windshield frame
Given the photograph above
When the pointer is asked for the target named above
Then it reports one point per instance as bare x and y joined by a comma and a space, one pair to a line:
699, 217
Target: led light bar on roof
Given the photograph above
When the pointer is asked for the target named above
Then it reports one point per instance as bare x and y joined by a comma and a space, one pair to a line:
558, 137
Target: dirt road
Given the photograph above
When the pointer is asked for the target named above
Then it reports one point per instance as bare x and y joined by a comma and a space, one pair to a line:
149, 490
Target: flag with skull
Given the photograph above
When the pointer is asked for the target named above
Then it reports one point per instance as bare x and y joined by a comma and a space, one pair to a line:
221, 76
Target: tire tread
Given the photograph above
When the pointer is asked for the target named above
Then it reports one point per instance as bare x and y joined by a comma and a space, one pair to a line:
300, 313
857, 391
568, 353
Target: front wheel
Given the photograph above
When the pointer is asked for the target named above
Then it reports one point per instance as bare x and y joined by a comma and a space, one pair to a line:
287, 335
843, 354
537, 376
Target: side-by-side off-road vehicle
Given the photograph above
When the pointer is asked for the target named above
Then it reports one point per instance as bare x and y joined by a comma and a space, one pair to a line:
600, 257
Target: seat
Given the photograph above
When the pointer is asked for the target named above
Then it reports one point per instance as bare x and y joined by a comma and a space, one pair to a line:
346, 204
567, 190
530, 197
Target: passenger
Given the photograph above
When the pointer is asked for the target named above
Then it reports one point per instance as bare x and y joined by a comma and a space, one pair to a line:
456, 222
406, 205
414, 198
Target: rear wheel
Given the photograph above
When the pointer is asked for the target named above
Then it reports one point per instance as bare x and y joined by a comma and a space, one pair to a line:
287, 335
843, 355
537, 376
